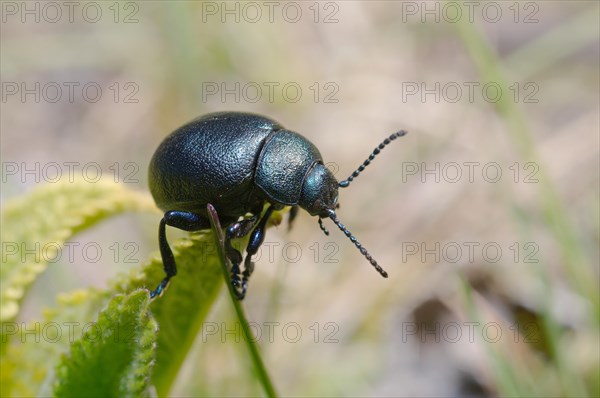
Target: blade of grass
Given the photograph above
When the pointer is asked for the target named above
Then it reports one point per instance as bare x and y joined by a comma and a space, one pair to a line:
506, 381
577, 268
576, 265
557, 44
257, 361
572, 382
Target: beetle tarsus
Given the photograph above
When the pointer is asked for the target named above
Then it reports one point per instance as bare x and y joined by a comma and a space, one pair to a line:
248, 269
256, 239
160, 289
238, 230
184, 220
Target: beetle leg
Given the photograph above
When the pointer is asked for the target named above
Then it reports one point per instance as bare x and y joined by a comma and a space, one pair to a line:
256, 239
325, 230
292, 217
179, 219
237, 230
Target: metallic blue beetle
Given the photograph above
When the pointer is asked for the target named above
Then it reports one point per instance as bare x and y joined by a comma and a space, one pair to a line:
238, 162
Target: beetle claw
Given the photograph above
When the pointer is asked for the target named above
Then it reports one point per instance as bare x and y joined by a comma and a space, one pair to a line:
160, 289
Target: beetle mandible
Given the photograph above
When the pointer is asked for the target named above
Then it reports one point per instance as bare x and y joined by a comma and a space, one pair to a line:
238, 162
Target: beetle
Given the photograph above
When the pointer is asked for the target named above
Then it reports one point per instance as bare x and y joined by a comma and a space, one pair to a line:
240, 162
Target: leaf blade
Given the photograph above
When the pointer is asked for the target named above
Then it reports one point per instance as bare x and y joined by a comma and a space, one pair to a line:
116, 358
44, 220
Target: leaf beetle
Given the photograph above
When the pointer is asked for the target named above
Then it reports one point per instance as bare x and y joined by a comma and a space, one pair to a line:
238, 162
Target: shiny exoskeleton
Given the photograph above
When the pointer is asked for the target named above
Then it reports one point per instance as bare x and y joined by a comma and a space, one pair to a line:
238, 162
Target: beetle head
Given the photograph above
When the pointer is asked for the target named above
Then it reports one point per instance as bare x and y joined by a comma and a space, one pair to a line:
319, 191
319, 197
320, 194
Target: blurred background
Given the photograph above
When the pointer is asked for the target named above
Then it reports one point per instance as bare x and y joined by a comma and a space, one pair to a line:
486, 215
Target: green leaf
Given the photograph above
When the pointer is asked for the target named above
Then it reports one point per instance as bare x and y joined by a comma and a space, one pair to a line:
29, 358
184, 306
44, 220
27, 365
114, 358
35, 348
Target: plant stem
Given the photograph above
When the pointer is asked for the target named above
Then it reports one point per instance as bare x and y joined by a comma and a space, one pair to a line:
255, 357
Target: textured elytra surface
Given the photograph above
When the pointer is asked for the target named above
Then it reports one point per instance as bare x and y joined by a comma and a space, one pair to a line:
210, 160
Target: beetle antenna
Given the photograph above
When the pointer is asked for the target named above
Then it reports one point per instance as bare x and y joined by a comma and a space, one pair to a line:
347, 181
325, 231
353, 239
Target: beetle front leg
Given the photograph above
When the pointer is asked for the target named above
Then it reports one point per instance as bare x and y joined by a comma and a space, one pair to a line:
179, 219
237, 230
256, 239
292, 216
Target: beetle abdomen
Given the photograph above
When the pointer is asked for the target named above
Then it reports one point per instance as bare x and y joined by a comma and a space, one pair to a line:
210, 160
